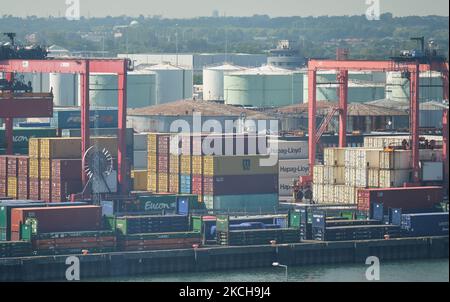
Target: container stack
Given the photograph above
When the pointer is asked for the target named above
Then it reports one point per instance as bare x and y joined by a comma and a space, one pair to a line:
140, 152
237, 183
55, 169
3, 176
293, 163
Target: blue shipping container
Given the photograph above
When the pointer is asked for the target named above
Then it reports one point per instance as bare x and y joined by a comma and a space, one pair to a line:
395, 216
377, 212
71, 119
425, 224
183, 206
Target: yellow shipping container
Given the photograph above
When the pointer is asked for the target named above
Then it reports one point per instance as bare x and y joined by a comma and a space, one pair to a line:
58, 147
186, 164
12, 187
174, 164
197, 164
139, 180
152, 162
174, 183
163, 183
34, 147
46, 168
34, 167
152, 182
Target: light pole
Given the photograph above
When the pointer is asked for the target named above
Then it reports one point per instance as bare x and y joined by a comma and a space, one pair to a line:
276, 264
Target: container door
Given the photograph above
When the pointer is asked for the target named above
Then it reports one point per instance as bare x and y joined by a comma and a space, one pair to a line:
183, 205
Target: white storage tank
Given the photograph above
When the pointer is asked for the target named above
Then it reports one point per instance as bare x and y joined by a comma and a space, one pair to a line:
362, 86
398, 88
213, 81
266, 86
141, 89
173, 83
65, 90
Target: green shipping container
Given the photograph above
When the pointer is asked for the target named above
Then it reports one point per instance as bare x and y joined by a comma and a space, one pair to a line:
255, 203
156, 236
294, 219
196, 222
22, 135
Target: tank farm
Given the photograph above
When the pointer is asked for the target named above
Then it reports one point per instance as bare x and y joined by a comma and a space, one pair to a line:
126, 203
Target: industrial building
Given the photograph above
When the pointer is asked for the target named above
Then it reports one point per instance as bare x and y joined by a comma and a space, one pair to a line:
285, 55
198, 61
364, 118
159, 118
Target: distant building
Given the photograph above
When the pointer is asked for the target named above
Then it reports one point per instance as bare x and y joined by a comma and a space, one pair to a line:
285, 56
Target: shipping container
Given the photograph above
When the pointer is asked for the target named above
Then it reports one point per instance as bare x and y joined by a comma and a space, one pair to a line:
62, 189
240, 184
396, 160
334, 157
35, 167
34, 188
139, 180
140, 160
152, 224
163, 183
12, 187
289, 149
236, 165
186, 164
140, 142
403, 198
185, 184
394, 178
66, 169
362, 158
293, 168
286, 186
56, 219
425, 224
21, 136
45, 190
45, 172
244, 203
71, 118
432, 171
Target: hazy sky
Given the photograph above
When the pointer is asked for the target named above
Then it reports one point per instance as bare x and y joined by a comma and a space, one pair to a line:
193, 8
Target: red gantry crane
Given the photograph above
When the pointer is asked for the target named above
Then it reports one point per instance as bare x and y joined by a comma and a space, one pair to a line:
11, 107
411, 68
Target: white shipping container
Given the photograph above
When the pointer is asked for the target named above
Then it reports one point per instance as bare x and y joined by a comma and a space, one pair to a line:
432, 171
140, 142
319, 174
362, 157
351, 195
339, 194
286, 187
318, 193
386, 141
334, 175
289, 149
350, 176
140, 160
394, 178
328, 194
293, 168
374, 178
334, 156
396, 160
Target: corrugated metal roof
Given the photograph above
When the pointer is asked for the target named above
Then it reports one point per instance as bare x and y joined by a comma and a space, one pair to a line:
188, 107
354, 109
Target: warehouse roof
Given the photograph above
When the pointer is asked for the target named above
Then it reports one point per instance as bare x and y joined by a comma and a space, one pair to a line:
404, 105
188, 107
354, 109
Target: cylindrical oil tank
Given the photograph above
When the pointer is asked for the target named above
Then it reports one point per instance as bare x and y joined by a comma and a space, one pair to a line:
266, 86
213, 81
362, 86
141, 89
64, 87
398, 88
173, 83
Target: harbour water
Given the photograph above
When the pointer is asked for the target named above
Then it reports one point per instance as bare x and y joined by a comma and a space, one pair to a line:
402, 271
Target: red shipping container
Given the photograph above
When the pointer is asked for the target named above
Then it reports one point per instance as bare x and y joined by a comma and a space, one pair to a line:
197, 184
412, 198
23, 191
57, 219
23, 167
61, 190
45, 190
66, 169
12, 166
35, 189
3, 166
